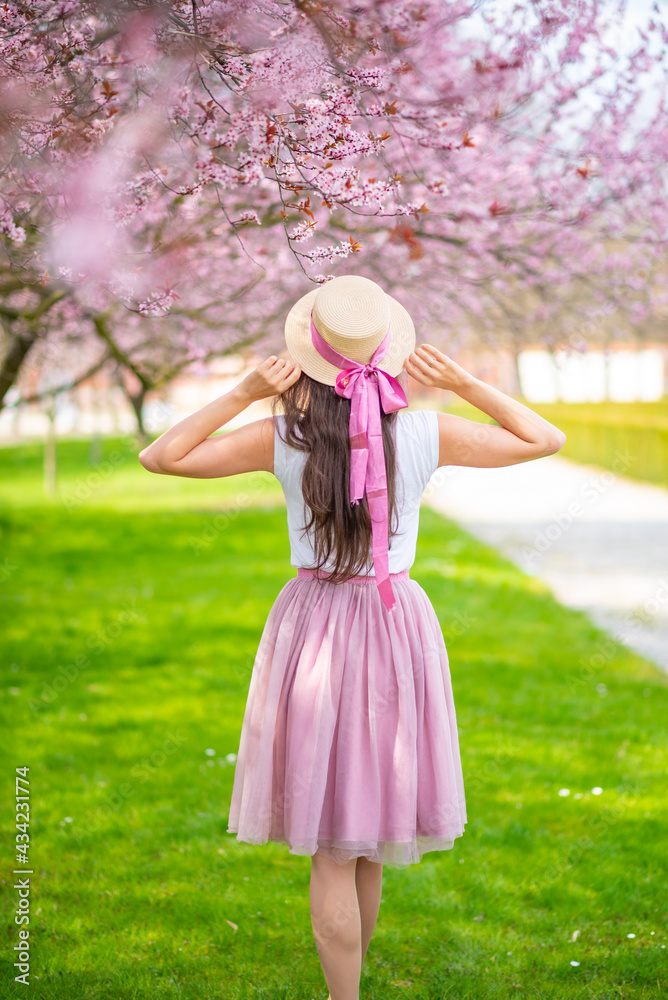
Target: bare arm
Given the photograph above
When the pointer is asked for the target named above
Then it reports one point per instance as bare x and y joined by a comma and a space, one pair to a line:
522, 436
187, 449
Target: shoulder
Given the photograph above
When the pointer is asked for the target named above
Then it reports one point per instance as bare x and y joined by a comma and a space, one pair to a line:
418, 423
418, 443
287, 459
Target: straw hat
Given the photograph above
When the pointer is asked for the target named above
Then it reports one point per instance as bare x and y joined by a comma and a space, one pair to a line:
352, 314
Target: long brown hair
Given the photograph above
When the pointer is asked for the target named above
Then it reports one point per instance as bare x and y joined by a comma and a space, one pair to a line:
316, 422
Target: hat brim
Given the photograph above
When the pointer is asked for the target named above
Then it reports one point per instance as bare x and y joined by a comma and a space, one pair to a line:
301, 349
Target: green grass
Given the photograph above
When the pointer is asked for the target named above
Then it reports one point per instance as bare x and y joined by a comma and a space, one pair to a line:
631, 439
92, 479
137, 884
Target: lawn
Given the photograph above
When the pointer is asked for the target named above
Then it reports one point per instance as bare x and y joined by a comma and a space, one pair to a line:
132, 611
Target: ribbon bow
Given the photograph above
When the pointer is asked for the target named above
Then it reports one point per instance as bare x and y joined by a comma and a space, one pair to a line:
368, 388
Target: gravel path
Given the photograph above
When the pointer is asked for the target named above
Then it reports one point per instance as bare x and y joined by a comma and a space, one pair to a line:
599, 540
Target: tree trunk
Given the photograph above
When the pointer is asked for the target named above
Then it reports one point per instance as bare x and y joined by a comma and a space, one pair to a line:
137, 402
607, 354
516, 382
555, 369
95, 449
50, 453
19, 346
136, 398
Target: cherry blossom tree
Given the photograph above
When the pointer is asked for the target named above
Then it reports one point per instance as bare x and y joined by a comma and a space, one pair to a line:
175, 174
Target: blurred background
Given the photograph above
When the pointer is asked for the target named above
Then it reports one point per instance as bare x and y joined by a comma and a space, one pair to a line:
626, 373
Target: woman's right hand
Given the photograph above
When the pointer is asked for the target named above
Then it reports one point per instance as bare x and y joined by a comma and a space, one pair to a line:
442, 373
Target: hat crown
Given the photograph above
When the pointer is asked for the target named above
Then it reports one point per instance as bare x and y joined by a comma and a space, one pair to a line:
353, 315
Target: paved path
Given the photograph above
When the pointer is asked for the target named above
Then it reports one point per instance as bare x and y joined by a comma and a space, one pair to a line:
598, 539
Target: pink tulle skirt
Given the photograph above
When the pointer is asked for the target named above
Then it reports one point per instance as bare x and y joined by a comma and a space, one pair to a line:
349, 740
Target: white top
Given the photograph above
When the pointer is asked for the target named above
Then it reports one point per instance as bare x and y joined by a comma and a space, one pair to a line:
417, 450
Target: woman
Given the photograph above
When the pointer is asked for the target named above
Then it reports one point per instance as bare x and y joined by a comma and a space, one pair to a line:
349, 750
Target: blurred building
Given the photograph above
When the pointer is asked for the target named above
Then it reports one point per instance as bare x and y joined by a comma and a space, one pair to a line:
620, 374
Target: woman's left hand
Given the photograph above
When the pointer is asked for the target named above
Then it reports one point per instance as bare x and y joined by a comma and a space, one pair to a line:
273, 376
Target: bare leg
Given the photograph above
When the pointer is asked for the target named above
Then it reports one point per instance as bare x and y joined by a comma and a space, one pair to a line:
335, 918
369, 885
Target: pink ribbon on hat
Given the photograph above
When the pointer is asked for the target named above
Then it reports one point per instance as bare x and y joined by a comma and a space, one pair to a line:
368, 388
